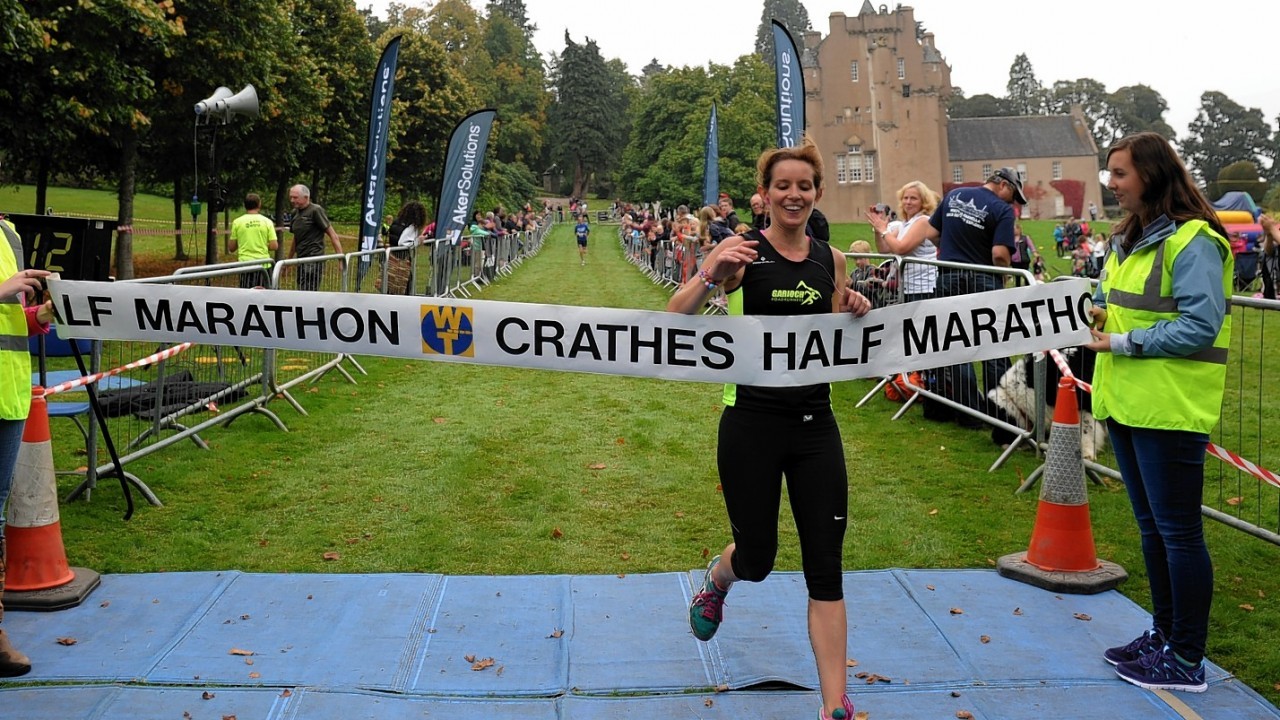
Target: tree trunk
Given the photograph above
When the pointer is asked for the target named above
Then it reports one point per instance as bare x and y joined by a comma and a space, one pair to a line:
42, 184
124, 193
579, 180
179, 248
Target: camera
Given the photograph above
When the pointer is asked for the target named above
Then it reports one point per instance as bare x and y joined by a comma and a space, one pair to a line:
882, 208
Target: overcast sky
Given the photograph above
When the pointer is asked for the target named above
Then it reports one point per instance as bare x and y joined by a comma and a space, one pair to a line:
1168, 46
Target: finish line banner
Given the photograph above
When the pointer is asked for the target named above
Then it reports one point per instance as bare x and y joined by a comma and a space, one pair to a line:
757, 350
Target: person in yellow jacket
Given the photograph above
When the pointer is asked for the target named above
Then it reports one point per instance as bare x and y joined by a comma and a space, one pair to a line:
17, 323
1162, 329
253, 237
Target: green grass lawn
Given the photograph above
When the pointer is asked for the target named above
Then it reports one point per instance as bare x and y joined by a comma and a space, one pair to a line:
439, 467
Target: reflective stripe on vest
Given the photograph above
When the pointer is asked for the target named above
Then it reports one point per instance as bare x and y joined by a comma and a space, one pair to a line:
1182, 393
15, 360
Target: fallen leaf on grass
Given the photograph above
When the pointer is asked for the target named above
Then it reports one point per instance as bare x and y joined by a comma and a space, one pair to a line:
705, 552
621, 441
679, 514
1081, 616
556, 533
933, 511
1235, 500
439, 420
331, 555
596, 466
626, 556
238, 651
1246, 607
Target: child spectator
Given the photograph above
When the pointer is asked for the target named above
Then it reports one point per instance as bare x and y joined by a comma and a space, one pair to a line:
865, 277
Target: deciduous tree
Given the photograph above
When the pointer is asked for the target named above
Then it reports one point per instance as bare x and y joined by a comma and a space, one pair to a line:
1224, 132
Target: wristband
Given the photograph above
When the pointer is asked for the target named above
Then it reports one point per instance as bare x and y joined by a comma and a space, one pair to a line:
706, 280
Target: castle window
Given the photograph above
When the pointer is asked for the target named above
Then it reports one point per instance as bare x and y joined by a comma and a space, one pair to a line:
842, 176
902, 69
986, 170
1057, 169
853, 71
906, 89
869, 167
957, 173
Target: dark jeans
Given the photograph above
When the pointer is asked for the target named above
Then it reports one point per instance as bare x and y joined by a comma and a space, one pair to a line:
10, 442
963, 282
1163, 471
309, 275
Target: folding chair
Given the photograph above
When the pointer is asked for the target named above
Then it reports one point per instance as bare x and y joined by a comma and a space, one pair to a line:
1247, 276
55, 346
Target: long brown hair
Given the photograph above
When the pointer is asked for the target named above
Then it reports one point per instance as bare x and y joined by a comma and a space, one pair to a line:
1170, 189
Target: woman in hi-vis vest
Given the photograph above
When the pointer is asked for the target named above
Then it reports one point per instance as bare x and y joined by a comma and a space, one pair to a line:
17, 322
1162, 332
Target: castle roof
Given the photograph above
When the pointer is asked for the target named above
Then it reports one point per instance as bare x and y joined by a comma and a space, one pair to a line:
1027, 136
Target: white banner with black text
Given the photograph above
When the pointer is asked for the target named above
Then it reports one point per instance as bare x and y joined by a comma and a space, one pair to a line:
756, 350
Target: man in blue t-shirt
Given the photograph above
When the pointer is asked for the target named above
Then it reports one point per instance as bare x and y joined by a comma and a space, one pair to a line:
974, 226
580, 231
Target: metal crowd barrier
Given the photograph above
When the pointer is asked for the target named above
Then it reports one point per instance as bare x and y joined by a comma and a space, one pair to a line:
668, 263
152, 407
176, 398
1243, 491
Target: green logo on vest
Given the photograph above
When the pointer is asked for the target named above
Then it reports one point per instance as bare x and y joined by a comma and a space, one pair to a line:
803, 294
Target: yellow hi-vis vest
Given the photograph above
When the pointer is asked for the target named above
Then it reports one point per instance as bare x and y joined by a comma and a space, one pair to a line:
15, 359
1163, 393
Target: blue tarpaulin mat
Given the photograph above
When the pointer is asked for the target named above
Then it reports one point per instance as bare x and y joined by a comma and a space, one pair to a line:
388, 646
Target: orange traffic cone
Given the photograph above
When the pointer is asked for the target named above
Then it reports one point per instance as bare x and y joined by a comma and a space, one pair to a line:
38, 576
1062, 556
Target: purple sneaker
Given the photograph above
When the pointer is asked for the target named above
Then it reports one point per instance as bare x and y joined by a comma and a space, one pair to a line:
844, 712
1148, 642
1162, 670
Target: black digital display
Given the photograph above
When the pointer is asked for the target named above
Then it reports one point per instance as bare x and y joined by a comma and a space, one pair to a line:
75, 248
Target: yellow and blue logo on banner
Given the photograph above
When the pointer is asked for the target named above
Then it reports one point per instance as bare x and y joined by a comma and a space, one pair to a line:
447, 330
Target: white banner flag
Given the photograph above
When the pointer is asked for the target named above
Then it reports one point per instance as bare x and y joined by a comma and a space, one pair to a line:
755, 350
